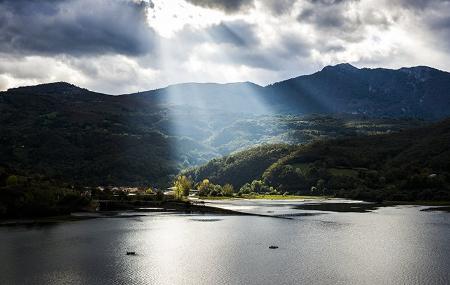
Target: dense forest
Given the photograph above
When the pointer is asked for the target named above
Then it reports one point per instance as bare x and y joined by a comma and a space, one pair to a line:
404, 166
241, 167
36, 195
85, 138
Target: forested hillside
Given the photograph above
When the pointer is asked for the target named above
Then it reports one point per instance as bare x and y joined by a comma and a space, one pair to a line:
71, 134
420, 92
240, 167
85, 138
407, 165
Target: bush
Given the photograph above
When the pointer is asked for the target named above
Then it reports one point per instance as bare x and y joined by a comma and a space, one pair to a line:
12, 180
227, 190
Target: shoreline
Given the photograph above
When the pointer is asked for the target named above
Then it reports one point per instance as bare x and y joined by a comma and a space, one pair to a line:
180, 207
197, 206
265, 197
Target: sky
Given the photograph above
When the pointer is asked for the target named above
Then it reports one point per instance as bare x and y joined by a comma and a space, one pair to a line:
125, 46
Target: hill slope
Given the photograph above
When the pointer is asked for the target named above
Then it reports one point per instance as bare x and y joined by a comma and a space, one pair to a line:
407, 165
70, 133
75, 135
240, 167
420, 91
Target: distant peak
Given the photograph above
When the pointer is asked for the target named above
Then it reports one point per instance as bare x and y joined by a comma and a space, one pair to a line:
50, 88
421, 73
341, 66
417, 68
345, 65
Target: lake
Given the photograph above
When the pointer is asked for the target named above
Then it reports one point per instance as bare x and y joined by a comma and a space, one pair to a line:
391, 245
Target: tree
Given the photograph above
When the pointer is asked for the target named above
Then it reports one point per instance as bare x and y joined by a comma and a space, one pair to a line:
257, 186
204, 188
227, 190
182, 186
245, 189
216, 190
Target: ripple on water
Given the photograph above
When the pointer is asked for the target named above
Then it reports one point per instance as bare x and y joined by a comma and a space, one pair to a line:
205, 220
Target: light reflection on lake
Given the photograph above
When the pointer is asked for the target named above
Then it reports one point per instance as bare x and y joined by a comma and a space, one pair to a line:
394, 245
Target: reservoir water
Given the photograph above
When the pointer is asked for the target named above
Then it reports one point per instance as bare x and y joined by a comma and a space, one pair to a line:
390, 245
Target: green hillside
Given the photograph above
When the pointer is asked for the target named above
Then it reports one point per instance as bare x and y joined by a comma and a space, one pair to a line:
85, 138
240, 167
406, 165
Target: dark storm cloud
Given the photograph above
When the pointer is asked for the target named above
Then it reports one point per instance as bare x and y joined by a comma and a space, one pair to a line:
238, 33
255, 55
329, 2
228, 6
329, 18
328, 14
78, 27
421, 4
436, 17
441, 23
332, 20
240, 44
279, 7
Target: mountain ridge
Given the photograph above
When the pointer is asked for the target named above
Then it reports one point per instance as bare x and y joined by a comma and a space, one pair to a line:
413, 92
49, 88
339, 65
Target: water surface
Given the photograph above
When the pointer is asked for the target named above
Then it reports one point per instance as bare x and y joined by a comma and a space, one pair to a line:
392, 245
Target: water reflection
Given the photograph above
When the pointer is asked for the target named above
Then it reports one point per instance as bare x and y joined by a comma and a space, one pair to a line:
394, 245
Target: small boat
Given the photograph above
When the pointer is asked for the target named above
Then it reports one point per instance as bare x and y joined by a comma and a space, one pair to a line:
273, 247
131, 253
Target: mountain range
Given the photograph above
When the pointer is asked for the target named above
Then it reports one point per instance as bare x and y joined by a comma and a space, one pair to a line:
70, 133
420, 92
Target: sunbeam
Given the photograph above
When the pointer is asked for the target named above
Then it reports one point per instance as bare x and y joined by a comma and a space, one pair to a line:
199, 110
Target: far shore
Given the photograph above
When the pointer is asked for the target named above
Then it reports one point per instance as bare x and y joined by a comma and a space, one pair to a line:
263, 197
197, 206
164, 207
